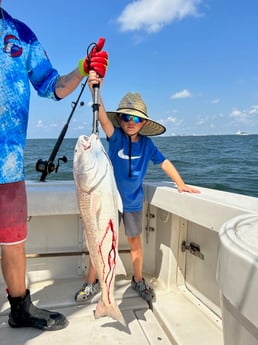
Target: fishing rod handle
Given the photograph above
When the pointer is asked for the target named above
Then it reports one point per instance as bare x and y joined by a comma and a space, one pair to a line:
95, 107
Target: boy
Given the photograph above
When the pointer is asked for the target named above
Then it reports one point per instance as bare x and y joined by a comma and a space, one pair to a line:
130, 151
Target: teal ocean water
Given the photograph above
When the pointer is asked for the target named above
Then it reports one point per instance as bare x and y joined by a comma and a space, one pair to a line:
223, 162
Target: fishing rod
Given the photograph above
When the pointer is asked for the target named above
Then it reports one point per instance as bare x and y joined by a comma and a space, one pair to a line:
47, 167
95, 107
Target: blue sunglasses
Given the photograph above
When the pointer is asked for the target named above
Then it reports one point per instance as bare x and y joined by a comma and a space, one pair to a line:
127, 118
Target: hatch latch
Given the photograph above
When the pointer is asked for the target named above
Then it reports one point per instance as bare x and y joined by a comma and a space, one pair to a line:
193, 248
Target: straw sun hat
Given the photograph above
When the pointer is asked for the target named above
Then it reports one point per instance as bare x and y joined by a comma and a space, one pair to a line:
133, 104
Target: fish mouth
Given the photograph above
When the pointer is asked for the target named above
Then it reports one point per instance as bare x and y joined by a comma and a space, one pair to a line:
86, 142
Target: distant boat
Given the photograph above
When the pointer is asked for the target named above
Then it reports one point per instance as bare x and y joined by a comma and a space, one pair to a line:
241, 133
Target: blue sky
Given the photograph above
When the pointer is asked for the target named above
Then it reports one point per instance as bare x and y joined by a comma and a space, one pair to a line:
195, 62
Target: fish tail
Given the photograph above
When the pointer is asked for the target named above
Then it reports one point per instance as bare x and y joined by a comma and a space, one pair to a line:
109, 310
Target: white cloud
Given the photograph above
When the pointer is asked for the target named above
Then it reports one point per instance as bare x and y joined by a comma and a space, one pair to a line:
54, 125
253, 110
215, 101
181, 94
244, 116
153, 15
212, 121
201, 121
171, 119
237, 113
78, 128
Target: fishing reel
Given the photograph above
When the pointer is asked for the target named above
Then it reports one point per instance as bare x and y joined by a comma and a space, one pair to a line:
47, 167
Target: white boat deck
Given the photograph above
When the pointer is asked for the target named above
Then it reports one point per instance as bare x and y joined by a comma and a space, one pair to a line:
165, 325
187, 310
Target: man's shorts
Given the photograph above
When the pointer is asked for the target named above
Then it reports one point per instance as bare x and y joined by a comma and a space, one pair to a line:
132, 223
13, 213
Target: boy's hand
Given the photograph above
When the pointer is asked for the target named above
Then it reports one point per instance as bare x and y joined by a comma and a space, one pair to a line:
94, 79
186, 188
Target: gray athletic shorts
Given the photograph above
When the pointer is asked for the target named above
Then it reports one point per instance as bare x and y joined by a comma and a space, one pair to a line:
132, 223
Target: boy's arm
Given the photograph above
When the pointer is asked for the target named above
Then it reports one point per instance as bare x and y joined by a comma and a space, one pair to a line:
171, 171
106, 124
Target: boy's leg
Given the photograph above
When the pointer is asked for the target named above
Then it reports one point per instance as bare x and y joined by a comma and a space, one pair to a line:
136, 256
92, 274
90, 288
133, 229
138, 282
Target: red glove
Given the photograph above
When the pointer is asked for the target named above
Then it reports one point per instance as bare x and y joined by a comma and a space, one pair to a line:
96, 60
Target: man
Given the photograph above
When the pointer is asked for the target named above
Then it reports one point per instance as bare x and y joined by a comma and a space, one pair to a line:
24, 61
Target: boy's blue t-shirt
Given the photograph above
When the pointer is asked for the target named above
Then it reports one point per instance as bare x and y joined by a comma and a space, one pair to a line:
143, 151
22, 61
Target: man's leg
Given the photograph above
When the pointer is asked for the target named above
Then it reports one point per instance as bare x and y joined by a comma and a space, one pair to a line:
13, 264
13, 233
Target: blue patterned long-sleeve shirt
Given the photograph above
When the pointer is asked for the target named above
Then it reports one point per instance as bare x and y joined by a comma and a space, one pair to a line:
22, 61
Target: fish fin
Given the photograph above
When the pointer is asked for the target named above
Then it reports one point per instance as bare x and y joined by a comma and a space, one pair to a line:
120, 268
110, 310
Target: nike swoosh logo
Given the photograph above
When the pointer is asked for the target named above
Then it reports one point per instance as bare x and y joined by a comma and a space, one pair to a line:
123, 156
